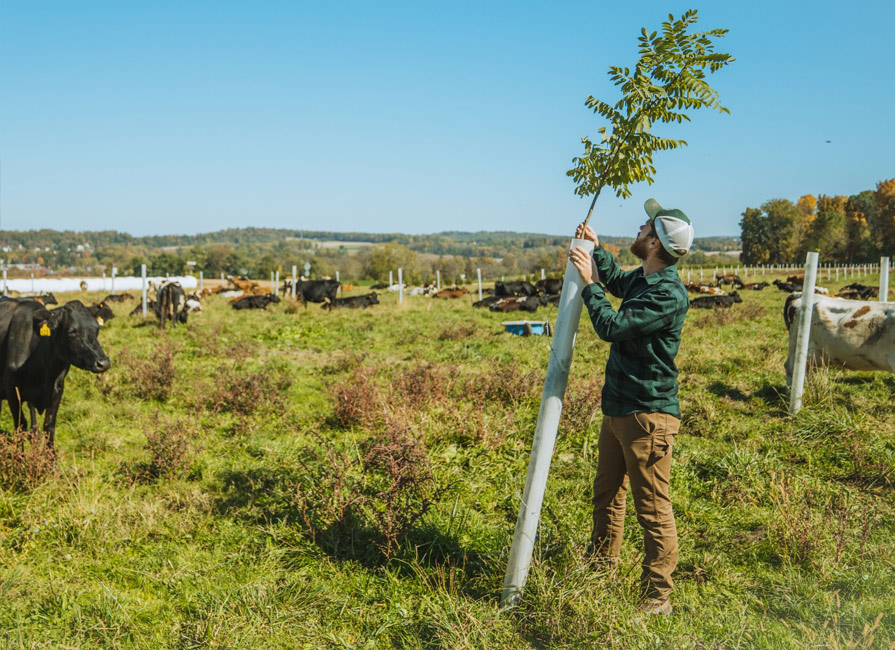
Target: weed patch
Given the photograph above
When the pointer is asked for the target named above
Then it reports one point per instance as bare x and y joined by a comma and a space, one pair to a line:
26, 460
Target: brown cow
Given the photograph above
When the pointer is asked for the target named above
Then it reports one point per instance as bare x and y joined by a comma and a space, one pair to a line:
455, 292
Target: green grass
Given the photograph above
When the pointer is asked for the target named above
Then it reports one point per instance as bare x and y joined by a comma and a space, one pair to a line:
257, 519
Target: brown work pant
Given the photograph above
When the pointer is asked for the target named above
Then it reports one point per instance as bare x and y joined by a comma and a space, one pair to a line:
635, 450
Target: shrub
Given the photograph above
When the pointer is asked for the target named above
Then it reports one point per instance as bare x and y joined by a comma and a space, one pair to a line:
401, 488
356, 401
150, 378
244, 393
171, 448
25, 460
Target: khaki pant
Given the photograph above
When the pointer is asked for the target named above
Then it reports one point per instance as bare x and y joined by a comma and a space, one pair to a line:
635, 450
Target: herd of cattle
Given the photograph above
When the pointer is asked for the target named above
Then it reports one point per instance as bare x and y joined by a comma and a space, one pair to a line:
39, 345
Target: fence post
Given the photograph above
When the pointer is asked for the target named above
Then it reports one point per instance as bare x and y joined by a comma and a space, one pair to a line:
438, 280
567, 318
400, 285
5, 290
543, 275
201, 282
391, 282
884, 279
804, 334
294, 279
143, 275
341, 293
479, 272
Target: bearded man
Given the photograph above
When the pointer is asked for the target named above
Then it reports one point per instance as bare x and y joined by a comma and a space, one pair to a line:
641, 414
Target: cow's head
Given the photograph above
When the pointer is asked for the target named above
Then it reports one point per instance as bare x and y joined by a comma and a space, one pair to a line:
74, 330
274, 297
374, 298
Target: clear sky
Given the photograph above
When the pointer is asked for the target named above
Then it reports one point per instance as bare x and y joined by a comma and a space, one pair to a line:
178, 117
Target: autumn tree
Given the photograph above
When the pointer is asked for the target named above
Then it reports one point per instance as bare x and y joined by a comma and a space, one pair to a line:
883, 224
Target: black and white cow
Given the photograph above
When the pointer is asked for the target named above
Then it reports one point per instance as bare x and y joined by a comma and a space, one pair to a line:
851, 334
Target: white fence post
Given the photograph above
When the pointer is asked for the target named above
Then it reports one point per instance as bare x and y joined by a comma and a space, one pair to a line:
543, 276
567, 317
391, 282
143, 276
201, 282
294, 280
479, 272
341, 293
400, 284
438, 280
884, 279
276, 285
804, 334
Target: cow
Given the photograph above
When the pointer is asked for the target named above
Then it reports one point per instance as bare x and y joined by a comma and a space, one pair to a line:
151, 307
756, 286
101, 312
729, 278
855, 335
526, 303
511, 289
193, 303
693, 287
710, 302
487, 302
379, 286
117, 297
171, 301
354, 302
317, 290
38, 348
550, 286
786, 286
858, 291
455, 292
255, 302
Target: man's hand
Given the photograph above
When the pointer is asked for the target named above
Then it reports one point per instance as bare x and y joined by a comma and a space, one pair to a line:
587, 233
582, 261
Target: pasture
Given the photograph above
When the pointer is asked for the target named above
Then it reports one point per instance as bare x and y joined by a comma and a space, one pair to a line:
301, 478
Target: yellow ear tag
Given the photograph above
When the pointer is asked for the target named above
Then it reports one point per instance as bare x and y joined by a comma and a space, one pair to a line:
99, 320
44, 330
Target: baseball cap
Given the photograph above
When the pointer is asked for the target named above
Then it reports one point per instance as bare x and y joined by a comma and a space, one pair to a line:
672, 226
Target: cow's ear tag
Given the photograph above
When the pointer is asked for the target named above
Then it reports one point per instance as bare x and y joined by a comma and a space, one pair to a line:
44, 330
99, 320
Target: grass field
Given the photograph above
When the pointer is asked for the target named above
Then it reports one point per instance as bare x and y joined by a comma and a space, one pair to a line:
298, 478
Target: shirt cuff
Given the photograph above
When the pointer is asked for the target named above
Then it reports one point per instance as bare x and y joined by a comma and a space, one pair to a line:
593, 290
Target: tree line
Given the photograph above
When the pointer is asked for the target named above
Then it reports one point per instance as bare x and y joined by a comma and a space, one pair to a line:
842, 229
257, 252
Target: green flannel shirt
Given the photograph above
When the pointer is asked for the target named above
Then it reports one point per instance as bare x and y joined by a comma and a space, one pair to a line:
645, 334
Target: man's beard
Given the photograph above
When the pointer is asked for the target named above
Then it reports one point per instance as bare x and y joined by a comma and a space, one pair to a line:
640, 249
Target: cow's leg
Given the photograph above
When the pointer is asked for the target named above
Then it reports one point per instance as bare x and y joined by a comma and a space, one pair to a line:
33, 412
52, 409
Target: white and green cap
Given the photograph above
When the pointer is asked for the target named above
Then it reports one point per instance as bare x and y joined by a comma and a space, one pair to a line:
672, 226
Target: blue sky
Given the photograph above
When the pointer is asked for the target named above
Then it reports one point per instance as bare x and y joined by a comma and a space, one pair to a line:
184, 117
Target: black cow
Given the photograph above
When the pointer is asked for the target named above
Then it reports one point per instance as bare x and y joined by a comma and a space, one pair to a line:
788, 287
709, 302
117, 297
317, 290
151, 307
354, 302
487, 302
550, 286
171, 301
38, 348
527, 303
256, 302
510, 289
102, 312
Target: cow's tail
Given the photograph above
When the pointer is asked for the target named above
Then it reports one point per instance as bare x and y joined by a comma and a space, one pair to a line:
789, 311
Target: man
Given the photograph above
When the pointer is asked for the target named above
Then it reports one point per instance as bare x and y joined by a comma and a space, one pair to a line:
641, 414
